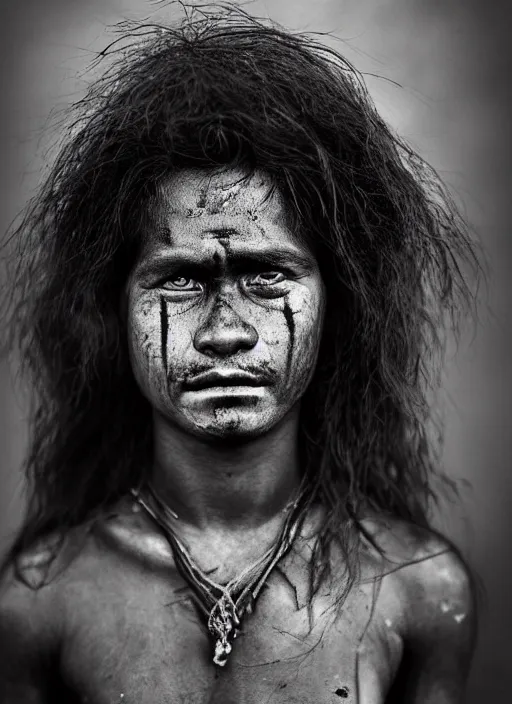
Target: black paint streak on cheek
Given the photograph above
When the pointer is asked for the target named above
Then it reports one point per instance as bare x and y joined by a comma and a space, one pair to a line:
290, 323
164, 331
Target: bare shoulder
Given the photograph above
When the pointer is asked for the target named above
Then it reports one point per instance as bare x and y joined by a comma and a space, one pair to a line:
30, 625
33, 584
432, 582
40, 587
27, 590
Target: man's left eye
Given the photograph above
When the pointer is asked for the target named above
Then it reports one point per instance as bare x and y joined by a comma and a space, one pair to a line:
266, 278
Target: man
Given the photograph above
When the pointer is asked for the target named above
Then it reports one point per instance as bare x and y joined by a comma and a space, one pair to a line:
231, 293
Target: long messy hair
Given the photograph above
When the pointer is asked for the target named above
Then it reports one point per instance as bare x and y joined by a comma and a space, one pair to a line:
224, 90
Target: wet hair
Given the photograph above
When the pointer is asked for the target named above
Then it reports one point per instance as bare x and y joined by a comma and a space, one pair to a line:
224, 90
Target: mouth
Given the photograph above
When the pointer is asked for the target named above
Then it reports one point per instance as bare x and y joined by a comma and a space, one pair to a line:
224, 378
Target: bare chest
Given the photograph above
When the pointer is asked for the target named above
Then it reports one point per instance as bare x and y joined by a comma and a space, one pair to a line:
145, 643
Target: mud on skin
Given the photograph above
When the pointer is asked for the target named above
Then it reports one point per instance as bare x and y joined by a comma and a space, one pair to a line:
223, 284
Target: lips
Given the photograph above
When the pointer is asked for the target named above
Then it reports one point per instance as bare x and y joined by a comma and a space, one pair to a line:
215, 378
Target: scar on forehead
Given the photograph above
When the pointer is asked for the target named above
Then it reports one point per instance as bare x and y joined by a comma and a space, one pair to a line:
215, 197
221, 233
198, 211
222, 236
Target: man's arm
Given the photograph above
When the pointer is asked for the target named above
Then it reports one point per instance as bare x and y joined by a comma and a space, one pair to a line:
440, 632
27, 640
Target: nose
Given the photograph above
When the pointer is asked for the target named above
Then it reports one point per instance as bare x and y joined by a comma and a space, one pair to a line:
224, 332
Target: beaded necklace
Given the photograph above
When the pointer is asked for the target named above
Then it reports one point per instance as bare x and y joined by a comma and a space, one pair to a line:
224, 606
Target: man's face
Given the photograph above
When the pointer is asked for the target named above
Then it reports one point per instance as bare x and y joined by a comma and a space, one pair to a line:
225, 307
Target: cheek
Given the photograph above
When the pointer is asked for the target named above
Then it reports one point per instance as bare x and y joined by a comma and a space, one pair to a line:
305, 308
159, 340
292, 333
307, 328
147, 328
142, 332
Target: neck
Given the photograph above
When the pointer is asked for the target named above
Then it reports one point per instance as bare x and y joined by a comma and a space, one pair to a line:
226, 486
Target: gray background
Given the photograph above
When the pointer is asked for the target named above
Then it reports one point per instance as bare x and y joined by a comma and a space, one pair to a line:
453, 64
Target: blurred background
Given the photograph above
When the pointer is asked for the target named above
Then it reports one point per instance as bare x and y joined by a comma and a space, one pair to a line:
439, 72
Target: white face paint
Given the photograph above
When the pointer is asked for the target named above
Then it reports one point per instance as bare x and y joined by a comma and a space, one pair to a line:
225, 307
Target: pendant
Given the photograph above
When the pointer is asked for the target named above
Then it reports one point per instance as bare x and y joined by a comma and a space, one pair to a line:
222, 650
222, 624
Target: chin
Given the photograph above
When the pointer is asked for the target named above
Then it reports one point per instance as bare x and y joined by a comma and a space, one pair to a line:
233, 424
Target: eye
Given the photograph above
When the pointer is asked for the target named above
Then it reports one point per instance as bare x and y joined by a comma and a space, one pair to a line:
181, 283
266, 278
267, 284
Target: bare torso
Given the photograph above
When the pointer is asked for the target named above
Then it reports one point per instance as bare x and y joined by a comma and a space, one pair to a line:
131, 634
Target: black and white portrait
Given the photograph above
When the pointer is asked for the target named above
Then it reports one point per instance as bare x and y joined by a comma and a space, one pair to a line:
255, 357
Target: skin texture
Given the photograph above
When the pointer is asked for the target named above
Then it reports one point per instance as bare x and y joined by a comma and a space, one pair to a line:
119, 620
222, 284
202, 297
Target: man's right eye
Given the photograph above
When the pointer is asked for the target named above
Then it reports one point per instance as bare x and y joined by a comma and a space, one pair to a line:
181, 283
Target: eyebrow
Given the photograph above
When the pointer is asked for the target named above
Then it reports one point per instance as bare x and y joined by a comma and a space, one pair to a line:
238, 260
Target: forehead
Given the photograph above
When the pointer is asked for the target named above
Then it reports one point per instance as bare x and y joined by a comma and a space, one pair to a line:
196, 193
199, 207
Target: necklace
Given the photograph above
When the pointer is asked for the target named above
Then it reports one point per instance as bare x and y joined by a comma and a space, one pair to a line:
224, 606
